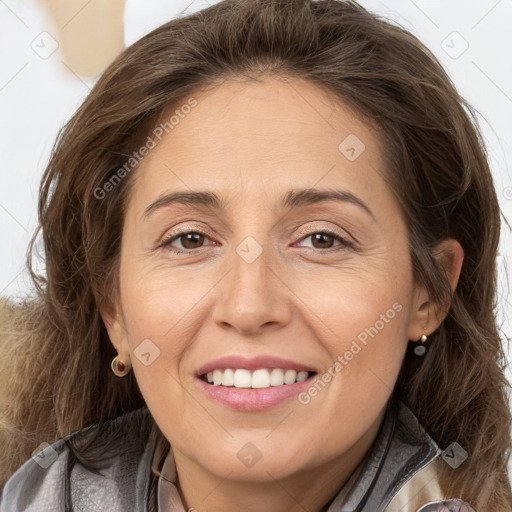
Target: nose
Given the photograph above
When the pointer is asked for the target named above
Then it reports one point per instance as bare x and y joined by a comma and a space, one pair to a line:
253, 296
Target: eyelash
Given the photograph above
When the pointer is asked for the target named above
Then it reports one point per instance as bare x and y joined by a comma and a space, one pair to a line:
166, 243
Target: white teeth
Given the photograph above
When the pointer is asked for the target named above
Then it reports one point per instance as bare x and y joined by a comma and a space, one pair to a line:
228, 377
258, 379
217, 377
301, 376
242, 379
289, 376
276, 377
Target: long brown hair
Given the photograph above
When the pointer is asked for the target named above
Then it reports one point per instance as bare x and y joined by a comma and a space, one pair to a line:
59, 351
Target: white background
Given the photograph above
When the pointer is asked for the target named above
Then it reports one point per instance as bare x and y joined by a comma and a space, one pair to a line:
37, 96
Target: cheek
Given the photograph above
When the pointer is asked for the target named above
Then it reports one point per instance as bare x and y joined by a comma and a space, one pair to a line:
161, 305
360, 301
159, 316
363, 320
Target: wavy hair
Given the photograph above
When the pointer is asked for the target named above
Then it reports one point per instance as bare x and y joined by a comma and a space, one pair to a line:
56, 344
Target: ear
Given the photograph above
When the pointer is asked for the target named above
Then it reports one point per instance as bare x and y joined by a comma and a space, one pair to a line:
426, 316
114, 323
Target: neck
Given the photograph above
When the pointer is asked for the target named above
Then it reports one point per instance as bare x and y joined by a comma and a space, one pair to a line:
311, 489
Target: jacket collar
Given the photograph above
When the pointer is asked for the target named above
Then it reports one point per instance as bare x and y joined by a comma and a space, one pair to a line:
400, 450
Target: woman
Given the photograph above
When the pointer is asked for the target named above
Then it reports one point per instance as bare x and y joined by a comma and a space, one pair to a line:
329, 344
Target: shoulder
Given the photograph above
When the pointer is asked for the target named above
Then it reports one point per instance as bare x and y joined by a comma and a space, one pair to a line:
37, 484
419, 489
454, 505
113, 475
422, 493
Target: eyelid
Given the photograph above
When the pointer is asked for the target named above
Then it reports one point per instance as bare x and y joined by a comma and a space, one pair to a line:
342, 233
345, 241
166, 239
188, 228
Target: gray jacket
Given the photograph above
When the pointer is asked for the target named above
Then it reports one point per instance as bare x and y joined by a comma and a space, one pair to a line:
55, 479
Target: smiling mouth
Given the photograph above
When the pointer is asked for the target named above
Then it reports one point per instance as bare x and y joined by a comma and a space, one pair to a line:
258, 379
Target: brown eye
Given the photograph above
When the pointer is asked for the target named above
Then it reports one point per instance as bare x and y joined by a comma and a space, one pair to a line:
189, 241
192, 240
322, 240
326, 240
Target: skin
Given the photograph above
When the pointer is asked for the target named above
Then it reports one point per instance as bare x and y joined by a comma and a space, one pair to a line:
251, 142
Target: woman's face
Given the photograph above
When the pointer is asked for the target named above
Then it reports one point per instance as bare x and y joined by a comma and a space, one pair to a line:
272, 268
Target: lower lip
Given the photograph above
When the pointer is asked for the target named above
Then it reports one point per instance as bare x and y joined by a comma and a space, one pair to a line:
249, 399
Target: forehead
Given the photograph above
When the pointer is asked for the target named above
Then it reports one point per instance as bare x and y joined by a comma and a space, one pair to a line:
257, 137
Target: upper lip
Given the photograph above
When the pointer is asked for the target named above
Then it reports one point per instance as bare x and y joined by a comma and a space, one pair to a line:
252, 363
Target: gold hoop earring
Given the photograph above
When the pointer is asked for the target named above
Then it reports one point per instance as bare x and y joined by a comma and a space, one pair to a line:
120, 368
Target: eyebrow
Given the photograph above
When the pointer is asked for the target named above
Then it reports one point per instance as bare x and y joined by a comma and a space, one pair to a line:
292, 199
